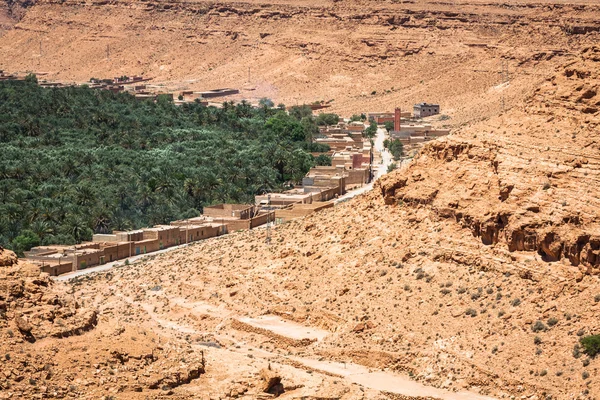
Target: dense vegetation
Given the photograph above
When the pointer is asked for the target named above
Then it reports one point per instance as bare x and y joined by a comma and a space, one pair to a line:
77, 161
395, 147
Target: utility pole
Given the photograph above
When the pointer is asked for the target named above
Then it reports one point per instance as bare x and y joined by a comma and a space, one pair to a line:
108, 52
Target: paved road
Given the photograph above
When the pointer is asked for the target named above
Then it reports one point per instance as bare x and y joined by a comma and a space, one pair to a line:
379, 170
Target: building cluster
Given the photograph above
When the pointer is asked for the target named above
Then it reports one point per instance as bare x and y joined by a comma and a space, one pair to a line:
420, 110
406, 127
351, 167
120, 84
351, 156
190, 96
104, 248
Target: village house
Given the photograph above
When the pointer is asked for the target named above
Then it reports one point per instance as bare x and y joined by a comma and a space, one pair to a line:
104, 248
423, 110
238, 216
380, 118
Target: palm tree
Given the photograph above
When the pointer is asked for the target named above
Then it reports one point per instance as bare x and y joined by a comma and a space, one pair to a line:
41, 228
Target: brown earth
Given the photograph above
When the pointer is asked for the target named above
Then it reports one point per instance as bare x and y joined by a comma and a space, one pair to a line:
305, 51
476, 267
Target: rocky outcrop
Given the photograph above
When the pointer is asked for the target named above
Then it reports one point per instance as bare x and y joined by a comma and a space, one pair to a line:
523, 192
7, 258
176, 377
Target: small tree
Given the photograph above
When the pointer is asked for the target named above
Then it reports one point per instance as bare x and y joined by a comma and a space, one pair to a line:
323, 160
25, 241
389, 126
391, 167
396, 148
266, 102
371, 131
591, 345
31, 78
327, 119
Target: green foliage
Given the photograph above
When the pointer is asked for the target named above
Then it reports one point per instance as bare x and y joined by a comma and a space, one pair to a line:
31, 78
389, 126
300, 112
396, 147
371, 131
266, 102
358, 117
323, 160
591, 345
327, 119
77, 161
391, 167
25, 241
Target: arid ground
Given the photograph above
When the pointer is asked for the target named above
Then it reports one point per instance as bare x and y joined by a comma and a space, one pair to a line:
471, 273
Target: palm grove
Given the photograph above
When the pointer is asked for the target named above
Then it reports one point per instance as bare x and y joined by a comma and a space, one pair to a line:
77, 161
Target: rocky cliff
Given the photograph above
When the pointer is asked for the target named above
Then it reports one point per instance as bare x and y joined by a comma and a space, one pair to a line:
523, 181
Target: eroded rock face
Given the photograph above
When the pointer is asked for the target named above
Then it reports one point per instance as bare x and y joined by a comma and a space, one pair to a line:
36, 307
528, 187
7, 258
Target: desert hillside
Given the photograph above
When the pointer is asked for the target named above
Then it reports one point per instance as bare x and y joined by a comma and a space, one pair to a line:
360, 55
472, 273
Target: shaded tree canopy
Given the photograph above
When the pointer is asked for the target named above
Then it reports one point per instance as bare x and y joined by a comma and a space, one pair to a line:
77, 161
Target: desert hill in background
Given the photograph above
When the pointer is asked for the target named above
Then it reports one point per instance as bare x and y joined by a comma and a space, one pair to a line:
357, 55
472, 273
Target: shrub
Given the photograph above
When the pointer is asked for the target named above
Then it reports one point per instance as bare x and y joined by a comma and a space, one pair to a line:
471, 312
461, 290
597, 298
543, 372
591, 345
552, 321
537, 340
515, 302
586, 362
576, 350
539, 327
585, 375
